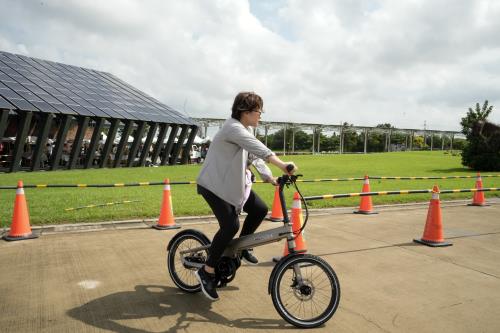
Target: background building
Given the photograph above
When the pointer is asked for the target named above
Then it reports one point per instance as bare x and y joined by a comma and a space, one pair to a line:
56, 116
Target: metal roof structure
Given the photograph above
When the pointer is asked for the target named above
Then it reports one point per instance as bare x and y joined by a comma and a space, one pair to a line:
52, 94
340, 128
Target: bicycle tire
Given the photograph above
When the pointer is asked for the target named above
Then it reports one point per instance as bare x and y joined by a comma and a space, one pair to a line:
183, 277
305, 294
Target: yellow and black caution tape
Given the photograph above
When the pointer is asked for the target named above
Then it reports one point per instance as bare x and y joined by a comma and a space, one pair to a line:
366, 194
431, 177
192, 182
96, 185
102, 205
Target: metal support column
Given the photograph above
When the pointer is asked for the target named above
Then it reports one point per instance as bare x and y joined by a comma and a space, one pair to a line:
22, 133
147, 143
177, 148
159, 143
293, 140
319, 140
412, 134
366, 141
341, 148
76, 150
60, 139
170, 144
189, 143
109, 142
284, 140
139, 132
385, 145
41, 141
314, 141
123, 143
4, 118
389, 134
94, 141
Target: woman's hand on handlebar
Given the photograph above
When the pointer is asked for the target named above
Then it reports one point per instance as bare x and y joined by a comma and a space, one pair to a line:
273, 181
290, 168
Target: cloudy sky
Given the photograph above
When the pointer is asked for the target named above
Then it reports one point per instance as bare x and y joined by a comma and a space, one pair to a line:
320, 61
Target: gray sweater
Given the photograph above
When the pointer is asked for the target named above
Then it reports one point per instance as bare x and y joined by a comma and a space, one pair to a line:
223, 171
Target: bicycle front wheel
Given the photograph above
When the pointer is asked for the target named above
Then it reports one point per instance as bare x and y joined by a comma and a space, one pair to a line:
305, 291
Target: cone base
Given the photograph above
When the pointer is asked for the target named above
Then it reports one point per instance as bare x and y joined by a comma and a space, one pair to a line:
166, 227
16, 238
431, 243
478, 204
365, 212
274, 219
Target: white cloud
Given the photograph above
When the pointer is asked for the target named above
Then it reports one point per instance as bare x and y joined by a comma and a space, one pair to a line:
364, 62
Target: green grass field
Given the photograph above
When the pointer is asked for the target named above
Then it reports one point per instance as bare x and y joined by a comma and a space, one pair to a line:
47, 205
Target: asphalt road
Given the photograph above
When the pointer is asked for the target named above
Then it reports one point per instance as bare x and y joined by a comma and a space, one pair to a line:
115, 280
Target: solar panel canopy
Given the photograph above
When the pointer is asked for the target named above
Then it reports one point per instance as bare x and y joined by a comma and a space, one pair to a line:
36, 85
57, 116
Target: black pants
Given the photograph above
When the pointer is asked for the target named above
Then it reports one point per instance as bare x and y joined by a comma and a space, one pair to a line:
229, 223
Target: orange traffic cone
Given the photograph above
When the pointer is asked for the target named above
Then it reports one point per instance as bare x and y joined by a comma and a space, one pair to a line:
297, 221
166, 220
365, 205
433, 232
276, 213
20, 228
478, 198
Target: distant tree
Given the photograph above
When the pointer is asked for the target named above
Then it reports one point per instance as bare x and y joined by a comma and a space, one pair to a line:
350, 138
418, 142
482, 151
473, 116
385, 125
329, 143
303, 141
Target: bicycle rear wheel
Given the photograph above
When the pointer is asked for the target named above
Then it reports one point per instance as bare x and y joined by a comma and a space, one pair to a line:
183, 276
305, 291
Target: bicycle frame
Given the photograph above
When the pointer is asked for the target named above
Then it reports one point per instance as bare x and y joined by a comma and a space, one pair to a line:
256, 239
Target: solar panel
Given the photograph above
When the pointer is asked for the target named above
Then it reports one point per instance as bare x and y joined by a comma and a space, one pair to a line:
18, 101
31, 84
4, 104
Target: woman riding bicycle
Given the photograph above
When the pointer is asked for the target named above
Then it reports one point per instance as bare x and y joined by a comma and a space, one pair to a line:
225, 182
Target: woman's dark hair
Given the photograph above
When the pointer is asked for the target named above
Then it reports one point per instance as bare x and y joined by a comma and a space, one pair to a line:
246, 101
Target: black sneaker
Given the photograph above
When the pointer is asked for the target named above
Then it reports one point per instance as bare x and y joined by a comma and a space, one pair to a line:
207, 282
248, 257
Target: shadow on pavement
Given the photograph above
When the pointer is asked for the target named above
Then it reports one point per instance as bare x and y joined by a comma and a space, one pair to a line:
152, 301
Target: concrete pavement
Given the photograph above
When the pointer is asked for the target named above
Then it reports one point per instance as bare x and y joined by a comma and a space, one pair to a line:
116, 280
